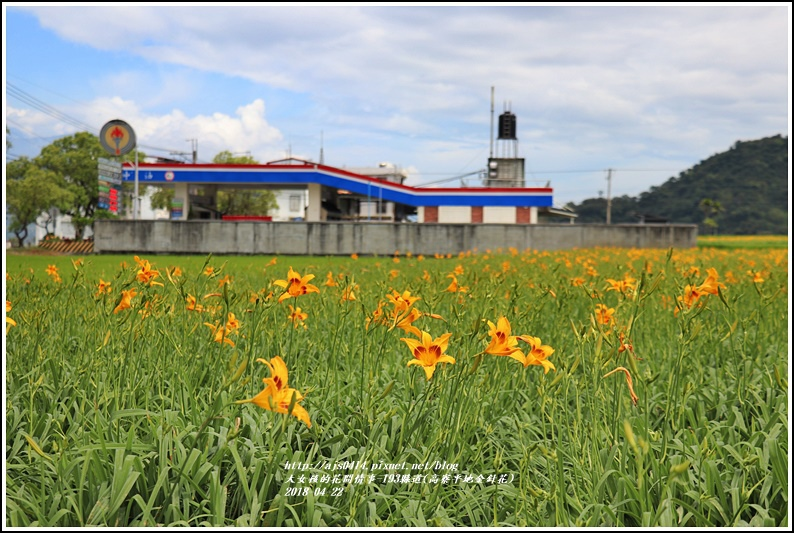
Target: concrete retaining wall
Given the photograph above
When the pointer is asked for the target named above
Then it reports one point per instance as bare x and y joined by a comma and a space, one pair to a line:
345, 238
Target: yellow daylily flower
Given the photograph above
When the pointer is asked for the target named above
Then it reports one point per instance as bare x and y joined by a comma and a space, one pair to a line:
277, 396
348, 295
297, 316
502, 343
712, 284
146, 275
103, 288
406, 322
429, 352
537, 353
126, 300
295, 285
191, 304
453, 286
9, 321
604, 314
220, 333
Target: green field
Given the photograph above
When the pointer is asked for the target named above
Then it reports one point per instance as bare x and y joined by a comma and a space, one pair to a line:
748, 242
654, 390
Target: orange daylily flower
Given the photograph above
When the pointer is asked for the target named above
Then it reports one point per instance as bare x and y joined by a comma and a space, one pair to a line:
502, 343
406, 322
690, 297
757, 277
604, 314
103, 288
625, 344
297, 316
330, 281
52, 270
692, 294
712, 284
377, 316
232, 324
429, 352
354, 256
208, 271
192, 305
9, 321
220, 333
453, 286
624, 286
348, 295
295, 285
277, 396
401, 302
537, 353
126, 300
146, 275
224, 280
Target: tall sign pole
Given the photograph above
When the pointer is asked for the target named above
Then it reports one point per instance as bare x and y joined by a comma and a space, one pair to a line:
118, 139
136, 202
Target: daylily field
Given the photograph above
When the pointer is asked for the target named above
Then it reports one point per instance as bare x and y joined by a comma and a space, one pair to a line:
586, 387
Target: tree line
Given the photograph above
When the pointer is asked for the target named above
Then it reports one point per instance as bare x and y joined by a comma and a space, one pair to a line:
743, 191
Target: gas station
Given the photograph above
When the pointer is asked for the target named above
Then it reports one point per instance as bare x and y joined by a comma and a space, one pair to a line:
330, 188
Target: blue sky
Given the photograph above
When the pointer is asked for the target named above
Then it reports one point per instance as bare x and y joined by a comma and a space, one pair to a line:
646, 90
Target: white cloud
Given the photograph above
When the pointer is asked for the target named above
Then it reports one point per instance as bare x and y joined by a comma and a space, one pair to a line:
592, 86
247, 131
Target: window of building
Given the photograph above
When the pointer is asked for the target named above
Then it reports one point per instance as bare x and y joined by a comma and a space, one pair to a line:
294, 203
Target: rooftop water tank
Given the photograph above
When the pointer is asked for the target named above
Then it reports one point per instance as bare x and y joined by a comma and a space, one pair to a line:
507, 126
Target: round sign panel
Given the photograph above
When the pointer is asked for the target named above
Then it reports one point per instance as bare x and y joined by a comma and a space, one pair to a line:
117, 137
169, 176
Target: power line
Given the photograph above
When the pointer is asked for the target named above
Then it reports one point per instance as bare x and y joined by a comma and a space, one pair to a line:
26, 129
32, 101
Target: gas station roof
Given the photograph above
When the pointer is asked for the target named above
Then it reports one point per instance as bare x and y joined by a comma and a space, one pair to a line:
304, 173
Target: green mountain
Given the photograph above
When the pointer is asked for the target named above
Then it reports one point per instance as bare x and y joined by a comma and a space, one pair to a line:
743, 191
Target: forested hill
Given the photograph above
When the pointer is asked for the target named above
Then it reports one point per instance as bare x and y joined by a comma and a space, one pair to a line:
743, 191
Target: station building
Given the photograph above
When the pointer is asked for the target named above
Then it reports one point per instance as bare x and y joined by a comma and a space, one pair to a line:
315, 192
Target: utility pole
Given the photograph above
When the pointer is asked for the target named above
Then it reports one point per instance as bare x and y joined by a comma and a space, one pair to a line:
136, 202
194, 146
609, 196
490, 155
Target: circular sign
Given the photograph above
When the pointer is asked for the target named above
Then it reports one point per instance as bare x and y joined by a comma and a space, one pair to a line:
169, 176
117, 137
